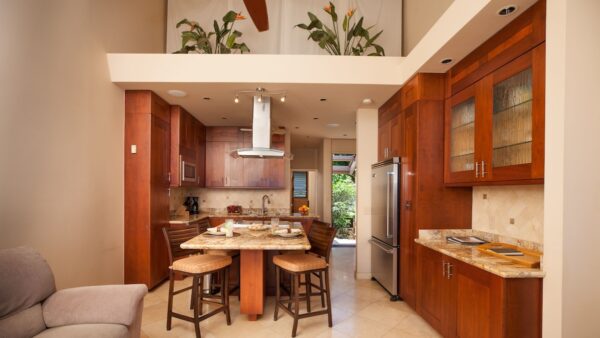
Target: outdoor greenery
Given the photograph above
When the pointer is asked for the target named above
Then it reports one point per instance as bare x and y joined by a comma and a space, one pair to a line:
196, 39
343, 204
355, 39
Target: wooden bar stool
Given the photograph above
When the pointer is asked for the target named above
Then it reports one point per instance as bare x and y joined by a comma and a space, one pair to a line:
297, 265
234, 254
195, 266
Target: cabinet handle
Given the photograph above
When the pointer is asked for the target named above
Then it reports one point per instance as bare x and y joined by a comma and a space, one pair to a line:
444, 268
483, 169
476, 169
169, 176
449, 272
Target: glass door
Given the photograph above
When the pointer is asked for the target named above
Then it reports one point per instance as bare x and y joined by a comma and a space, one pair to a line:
460, 137
514, 107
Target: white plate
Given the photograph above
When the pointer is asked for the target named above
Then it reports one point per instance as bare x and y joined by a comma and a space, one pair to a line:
285, 233
213, 231
258, 227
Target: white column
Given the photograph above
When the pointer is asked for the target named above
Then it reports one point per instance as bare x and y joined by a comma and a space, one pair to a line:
572, 183
366, 154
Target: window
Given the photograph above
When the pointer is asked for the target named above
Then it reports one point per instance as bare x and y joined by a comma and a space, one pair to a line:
300, 179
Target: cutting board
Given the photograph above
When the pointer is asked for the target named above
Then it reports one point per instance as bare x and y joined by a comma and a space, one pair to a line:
530, 258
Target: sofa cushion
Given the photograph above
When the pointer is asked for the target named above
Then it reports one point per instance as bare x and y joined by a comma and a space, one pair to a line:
23, 324
86, 330
25, 279
108, 304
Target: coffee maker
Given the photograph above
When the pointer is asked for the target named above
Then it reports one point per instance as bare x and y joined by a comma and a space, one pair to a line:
191, 205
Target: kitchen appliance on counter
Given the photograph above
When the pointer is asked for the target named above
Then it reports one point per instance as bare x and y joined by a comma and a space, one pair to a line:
385, 224
191, 205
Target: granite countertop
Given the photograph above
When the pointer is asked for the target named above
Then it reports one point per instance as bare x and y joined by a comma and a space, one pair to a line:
436, 240
248, 240
185, 219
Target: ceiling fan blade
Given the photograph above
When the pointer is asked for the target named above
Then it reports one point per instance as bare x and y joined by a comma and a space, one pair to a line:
258, 12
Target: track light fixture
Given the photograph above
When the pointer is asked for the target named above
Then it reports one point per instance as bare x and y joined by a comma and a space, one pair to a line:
261, 92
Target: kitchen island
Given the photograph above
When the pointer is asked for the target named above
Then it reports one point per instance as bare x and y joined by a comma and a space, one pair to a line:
253, 246
218, 218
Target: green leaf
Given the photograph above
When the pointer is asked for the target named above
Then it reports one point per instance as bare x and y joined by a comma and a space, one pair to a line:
183, 22
230, 16
230, 41
345, 23
333, 14
217, 31
303, 26
371, 40
244, 48
314, 21
358, 28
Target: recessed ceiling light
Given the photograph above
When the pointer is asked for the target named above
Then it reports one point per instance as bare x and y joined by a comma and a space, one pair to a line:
297, 127
323, 99
282, 99
237, 99
206, 98
345, 134
446, 61
315, 118
367, 100
223, 118
333, 125
176, 92
507, 10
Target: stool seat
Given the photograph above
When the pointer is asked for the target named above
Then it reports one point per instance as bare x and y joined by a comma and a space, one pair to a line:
201, 263
216, 252
300, 262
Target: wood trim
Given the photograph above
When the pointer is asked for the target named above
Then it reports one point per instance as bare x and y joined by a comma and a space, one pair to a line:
252, 283
522, 34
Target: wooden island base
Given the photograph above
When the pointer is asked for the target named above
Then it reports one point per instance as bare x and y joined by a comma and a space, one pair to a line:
252, 283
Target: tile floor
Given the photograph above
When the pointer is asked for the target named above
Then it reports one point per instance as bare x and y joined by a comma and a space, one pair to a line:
361, 308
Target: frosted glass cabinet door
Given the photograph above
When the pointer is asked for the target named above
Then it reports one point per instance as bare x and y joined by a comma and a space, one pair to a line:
517, 119
460, 137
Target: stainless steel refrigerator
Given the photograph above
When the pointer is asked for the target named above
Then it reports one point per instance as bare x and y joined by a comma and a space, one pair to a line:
385, 224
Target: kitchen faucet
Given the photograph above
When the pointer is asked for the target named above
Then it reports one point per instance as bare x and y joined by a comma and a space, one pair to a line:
264, 207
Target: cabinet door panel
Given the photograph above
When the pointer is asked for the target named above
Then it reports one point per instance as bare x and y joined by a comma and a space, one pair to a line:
461, 136
517, 98
383, 144
215, 163
397, 136
432, 287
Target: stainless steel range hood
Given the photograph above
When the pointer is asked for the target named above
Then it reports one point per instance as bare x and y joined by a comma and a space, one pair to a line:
261, 133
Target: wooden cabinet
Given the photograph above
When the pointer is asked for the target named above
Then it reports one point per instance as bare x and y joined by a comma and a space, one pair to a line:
225, 171
495, 128
147, 127
417, 135
460, 300
494, 123
188, 149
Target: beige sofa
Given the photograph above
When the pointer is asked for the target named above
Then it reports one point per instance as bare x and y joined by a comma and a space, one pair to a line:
30, 306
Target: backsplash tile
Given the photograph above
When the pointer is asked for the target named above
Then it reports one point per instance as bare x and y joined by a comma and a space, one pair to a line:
219, 199
524, 204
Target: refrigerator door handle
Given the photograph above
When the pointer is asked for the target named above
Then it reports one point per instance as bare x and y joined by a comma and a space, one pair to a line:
388, 186
386, 250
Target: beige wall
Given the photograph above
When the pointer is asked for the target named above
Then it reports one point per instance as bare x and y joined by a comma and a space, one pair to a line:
325, 183
305, 158
61, 129
418, 16
572, 196
366, 142
523, 204
343, 146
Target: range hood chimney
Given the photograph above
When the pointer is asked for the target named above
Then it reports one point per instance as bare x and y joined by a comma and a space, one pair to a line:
261, 133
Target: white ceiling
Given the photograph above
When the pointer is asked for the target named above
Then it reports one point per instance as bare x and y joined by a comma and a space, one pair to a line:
303, 104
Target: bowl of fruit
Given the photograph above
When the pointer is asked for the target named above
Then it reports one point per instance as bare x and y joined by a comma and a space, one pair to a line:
234, 209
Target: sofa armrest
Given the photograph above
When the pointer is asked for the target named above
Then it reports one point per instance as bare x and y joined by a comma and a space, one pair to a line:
104, 304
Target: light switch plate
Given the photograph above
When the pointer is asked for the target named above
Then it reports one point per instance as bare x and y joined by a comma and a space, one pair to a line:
134, 148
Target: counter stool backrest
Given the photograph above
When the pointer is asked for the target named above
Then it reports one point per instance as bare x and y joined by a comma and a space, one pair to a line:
177, 235
321, 236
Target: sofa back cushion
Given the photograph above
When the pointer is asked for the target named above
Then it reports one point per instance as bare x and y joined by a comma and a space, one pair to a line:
23, 324
25, 280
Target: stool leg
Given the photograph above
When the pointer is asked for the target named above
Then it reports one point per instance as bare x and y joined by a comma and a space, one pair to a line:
296, 293
225, 294
321, 288
328, 290
200, 295
170, 303
196, 314
277, 292
291, 295
307, 286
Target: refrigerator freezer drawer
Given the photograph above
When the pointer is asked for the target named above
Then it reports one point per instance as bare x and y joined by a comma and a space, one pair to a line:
384, 266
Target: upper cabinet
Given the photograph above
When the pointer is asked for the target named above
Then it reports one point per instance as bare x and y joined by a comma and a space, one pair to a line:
188, 149
225, 171
494, 125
